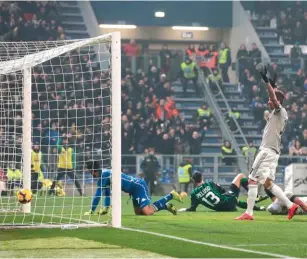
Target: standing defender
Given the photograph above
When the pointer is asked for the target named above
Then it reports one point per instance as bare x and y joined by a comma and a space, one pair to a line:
264, 167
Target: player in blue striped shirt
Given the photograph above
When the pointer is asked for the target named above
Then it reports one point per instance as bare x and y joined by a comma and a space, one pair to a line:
135, 187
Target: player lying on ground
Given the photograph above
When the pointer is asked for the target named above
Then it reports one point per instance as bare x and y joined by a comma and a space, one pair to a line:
277, 207
135, 187
214, 197
264, 166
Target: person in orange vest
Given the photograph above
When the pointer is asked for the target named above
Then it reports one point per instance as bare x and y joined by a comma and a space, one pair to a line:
191, 52
213, 57
202, 58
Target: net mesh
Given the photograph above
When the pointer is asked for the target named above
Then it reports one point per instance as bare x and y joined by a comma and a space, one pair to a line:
71, 124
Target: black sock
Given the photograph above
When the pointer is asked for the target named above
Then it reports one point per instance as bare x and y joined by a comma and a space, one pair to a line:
244, 183
269, 193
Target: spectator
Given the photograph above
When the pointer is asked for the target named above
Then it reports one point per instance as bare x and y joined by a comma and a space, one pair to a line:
184, 173
296, 149
191, 52
258, 107
37, 162
202, 54
14, 176
165, 144
166, 59
242, 59
204, 117
132, 49
296, 51
52, 134
228, 153
298, 33
188, 73
215, 79
150, 167
195, 142
242, 53
299, 83
66, 165
255, 53
224, 61
232, 116
249, 151
303, 138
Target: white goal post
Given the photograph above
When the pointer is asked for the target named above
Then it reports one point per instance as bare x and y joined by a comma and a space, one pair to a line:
60, 106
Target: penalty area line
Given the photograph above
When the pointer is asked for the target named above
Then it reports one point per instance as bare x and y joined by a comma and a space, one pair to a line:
208, 244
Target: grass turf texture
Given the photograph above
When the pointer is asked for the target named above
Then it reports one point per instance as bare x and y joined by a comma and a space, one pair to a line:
273, 234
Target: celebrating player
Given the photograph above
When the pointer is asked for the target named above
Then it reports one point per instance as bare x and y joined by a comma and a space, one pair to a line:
135, 187
213, 196
264, 167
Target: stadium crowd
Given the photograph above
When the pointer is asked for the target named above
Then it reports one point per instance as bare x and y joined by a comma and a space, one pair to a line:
255, 95
150, 117
30, 20
290, 19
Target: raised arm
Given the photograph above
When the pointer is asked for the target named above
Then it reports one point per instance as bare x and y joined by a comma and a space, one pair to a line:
270, 85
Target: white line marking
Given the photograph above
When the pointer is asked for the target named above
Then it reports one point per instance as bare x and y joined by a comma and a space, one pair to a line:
60, 217
243, 245
208, 244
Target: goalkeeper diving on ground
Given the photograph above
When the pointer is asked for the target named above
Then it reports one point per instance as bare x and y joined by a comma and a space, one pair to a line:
135, 187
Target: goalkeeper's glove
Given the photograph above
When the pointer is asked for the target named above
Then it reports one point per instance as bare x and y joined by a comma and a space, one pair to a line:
103, 211
88, 213
182, 210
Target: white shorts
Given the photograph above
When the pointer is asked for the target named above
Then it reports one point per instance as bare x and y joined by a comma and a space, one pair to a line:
264, 165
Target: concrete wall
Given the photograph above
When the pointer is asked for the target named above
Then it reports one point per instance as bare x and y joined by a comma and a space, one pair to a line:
243, 32
168, 34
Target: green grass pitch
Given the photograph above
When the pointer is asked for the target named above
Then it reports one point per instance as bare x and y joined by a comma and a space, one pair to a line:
267, 234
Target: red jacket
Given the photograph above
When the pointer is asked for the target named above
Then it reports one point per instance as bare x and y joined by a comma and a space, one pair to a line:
169, 109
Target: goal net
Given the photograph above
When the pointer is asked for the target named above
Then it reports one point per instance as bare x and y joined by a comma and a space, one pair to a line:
60, 106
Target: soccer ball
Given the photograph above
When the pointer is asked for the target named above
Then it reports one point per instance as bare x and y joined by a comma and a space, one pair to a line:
183, 194
24, 196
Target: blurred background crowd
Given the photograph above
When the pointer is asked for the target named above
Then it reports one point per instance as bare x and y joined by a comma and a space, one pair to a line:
77, 107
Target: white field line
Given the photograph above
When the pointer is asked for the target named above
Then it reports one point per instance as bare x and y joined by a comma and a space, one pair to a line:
208, 244
243, 245
233, 248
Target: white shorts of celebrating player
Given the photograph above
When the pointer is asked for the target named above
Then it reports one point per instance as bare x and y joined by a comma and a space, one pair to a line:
264, 166
278, 207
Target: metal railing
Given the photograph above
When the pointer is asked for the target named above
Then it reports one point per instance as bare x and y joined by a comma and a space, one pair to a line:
226, 132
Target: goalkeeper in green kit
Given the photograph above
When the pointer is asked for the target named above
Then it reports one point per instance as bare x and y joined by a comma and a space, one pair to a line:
214, 197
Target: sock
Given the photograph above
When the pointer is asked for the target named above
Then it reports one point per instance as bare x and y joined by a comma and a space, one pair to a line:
161, 204
299, 202
252, 195
244, 183
278, 192
269, 193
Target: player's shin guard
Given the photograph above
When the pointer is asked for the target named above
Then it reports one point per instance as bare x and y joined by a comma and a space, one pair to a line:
161, 204
278, 192
252, 195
